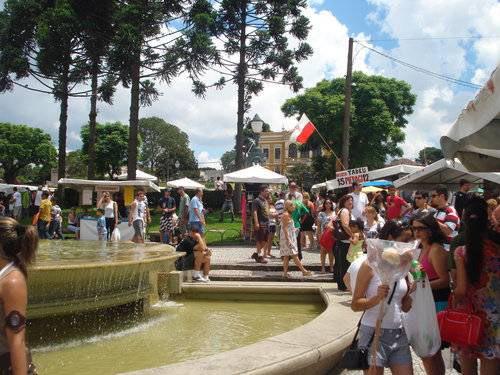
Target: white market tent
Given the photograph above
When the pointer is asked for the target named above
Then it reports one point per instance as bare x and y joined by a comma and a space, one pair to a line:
445, 172
382, 173
474, 138
255, 175
320, 186
102, 184
8, 188
139, 175
186, 183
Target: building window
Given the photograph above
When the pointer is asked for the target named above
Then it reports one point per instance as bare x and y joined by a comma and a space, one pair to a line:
265, 151
317, 151
292, 151
304, 154
277, 154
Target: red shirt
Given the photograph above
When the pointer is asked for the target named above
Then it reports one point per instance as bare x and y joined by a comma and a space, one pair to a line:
394, 205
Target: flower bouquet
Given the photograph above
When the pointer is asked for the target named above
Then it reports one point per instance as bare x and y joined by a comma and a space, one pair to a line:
390, 261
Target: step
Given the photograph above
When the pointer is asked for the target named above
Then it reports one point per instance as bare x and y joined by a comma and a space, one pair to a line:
269, 267
242, 275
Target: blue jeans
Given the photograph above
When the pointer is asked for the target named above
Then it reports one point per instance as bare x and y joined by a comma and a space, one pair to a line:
198, 225
43, 229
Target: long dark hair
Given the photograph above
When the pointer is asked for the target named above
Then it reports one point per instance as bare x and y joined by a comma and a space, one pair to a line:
475, 221
342, 201
391, 228
430, 222
18, 242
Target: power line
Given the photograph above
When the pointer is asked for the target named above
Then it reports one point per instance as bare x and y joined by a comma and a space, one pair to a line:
431, 38
424, 71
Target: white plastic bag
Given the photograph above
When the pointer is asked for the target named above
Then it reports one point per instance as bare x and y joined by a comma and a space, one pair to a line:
421, 323
115, 236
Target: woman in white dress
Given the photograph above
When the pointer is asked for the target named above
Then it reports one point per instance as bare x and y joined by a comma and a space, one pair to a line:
288, 241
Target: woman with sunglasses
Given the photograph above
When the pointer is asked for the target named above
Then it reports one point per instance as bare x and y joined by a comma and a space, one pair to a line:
434, 260
420, 204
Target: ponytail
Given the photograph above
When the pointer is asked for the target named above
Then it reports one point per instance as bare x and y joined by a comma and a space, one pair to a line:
18, 243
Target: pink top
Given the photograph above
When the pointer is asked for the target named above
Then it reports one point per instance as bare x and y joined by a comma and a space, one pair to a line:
428, 267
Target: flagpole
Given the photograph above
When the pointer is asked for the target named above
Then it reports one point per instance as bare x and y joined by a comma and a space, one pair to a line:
330, 148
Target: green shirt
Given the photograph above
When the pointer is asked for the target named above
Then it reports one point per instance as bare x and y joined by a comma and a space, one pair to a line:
183, 205
300, 210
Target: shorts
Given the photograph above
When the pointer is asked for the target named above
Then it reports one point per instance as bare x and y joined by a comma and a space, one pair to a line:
262, 234
166, 223
198, 225
16, 211
138, 228
272, 228
394, 348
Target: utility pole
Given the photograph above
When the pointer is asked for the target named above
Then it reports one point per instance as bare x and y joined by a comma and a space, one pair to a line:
347, 108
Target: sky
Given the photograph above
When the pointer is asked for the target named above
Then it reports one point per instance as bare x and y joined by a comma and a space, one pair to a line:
456, 38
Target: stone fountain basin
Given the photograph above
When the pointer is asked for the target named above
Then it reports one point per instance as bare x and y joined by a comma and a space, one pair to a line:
75, 276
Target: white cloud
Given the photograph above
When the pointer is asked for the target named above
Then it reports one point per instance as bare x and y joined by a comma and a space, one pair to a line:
205, 160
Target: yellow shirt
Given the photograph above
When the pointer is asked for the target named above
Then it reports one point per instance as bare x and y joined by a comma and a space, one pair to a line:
45, 208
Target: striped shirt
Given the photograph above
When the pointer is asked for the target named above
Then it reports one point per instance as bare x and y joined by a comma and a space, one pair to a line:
448, 216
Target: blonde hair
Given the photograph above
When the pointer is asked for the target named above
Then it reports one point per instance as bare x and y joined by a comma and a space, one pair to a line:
371, 210
492, 203
306, 195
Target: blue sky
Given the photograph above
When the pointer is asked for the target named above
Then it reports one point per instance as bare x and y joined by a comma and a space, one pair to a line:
211, 123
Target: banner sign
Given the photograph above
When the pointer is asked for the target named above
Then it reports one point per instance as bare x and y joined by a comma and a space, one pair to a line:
346, 178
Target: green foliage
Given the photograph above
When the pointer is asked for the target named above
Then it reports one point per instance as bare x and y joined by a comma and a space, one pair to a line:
76, 164
162, 145
227, 160
429, 155
110, 147
24, 149
379, 109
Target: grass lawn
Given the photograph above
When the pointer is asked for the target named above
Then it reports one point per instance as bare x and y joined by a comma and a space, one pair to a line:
232, 229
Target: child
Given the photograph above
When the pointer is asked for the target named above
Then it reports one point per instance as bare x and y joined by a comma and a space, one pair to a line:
357, 240
102, 232
55, 227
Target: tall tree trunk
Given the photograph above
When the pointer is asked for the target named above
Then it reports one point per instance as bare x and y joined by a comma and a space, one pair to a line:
63, 123
134, 120
10, 175
93, 121
242, 71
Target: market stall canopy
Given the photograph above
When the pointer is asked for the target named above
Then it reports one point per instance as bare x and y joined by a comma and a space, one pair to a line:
255, 175
378, 174
371, 189
186, 183
139, 175
8, 188
445, 172
316, 187
474, 138
81, 184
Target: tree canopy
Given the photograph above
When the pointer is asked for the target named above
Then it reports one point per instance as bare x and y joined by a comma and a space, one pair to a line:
162, 145
429, 155
379, 109
21, 147
110, 147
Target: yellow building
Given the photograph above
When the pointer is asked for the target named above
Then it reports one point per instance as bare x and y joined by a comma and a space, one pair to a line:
281, 153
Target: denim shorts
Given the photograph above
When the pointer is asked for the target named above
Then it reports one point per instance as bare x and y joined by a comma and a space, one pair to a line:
394, 348
198, 225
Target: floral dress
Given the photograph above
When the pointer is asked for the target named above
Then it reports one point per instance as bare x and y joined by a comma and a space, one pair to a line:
485, 299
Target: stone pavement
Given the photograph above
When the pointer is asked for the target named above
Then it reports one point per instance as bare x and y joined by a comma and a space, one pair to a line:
234, 264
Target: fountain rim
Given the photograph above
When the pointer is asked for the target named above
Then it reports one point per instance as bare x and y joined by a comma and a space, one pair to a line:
172, 254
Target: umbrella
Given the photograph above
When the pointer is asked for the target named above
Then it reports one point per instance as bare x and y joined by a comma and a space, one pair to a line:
186, 183
377, 183
474, 138
371, 189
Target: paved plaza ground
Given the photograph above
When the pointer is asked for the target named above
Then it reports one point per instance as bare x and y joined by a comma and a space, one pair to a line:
233, 263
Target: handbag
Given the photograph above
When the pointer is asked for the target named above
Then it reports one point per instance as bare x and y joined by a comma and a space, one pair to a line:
338, 230
356, 358
460, 326
327, 240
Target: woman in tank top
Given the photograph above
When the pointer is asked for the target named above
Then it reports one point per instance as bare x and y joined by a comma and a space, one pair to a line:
434, 261
110, 212
18, 244
394, 349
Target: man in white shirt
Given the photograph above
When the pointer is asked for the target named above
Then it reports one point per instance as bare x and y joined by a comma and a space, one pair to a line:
294, 193
38, 199
17, 204
359, 201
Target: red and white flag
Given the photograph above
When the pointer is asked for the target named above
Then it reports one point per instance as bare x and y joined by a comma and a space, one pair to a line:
303, 130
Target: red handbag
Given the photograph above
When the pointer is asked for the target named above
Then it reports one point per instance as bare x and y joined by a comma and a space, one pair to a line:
327, 240
460, 326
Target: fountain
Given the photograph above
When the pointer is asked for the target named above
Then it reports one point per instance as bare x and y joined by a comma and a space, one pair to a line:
70, 277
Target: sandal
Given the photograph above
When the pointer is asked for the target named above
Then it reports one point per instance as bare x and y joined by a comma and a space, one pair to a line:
286, 275
307, 273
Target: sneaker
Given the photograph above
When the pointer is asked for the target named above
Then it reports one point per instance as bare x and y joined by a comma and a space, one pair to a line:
255, 256
207, 279
200, 278
261, 259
